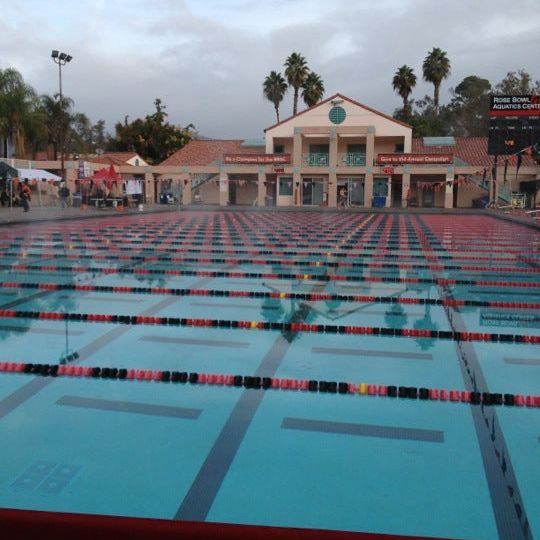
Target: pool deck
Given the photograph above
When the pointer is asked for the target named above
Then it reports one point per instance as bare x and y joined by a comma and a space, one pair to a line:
37, 214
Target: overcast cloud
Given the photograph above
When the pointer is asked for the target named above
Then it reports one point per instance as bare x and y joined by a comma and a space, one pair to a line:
207, 59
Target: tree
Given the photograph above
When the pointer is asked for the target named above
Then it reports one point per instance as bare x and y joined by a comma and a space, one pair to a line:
153, 137
274, 88
17, 106
469, 108
57, 116
313, 89
516, 83
99, 136
296, 71
436, 67
403, 82
424, 121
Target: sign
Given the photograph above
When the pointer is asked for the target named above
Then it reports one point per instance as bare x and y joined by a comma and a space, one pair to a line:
261, 159
415, 159
514, 124
522, 105
279, 170
388, 170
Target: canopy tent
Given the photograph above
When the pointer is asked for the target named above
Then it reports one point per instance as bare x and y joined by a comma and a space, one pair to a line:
31, 174
107, 175
6, 170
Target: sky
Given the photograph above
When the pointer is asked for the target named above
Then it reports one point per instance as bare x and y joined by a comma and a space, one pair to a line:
207, 59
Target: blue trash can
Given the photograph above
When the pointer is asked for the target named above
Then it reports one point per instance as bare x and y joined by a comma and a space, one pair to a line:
379, 201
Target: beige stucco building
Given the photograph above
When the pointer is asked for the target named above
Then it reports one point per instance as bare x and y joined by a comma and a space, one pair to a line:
336, 153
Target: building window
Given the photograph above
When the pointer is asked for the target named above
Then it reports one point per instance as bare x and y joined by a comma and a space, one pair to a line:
136, 162
399, 148
285, 186
278, 149
337, 115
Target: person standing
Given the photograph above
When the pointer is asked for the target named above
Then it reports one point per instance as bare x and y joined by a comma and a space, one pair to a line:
25, 198
64, 194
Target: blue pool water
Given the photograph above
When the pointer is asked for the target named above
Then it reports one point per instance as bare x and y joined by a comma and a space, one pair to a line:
275, 457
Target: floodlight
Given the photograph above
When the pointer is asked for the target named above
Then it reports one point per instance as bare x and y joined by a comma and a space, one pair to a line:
62, 56
54, 54
68, 58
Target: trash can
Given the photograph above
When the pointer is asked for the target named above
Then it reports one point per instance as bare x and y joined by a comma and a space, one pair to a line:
379, 201
77, 201
268, 200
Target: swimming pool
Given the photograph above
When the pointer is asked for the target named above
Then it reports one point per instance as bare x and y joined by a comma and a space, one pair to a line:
342, 371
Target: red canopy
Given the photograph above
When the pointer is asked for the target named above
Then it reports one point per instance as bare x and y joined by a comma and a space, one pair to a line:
109, 175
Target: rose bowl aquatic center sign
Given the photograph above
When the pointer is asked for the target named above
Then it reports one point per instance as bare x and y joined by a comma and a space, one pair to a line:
522, 105
415, 159
260, 159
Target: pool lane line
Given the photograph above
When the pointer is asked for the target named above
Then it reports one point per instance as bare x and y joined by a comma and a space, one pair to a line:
383, 265
507, 502
363, 430
131, 320
264, 382
200, 497
9, 403
266, 275
133, 407
264, 294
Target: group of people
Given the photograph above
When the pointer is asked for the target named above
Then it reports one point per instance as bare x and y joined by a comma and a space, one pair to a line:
21, 196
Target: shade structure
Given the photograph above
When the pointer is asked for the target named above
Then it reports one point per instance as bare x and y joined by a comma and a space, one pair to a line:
37, 174
107, 176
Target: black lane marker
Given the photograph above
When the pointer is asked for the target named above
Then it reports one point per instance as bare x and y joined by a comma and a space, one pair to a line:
203, 490
507, 503
523, 361
130, 407
201, 342
363, 430
367, 352
239, 306
99, 298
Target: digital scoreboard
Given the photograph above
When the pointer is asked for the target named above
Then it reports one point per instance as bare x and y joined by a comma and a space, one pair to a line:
514, 124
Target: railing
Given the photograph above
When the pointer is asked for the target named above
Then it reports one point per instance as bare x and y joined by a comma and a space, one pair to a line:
352, 159
198, 180
315, 160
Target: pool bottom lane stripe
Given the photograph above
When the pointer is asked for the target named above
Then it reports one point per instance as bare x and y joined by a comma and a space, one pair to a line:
364, 430
130, 407
371, 353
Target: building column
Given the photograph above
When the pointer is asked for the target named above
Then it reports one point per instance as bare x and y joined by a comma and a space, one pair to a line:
449, 191
223, 189
405, 186
332, 188
149, 187
186, 189
370, 146
389, 195
261, 188
368, 190
71, 176
297, 189
297, 147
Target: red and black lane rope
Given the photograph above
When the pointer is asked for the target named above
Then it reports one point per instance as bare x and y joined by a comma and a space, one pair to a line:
280, 326
314, 297
265, 275
289, 262
267, 383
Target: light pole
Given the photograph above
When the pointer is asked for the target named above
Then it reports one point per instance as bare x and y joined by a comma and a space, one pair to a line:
61, 59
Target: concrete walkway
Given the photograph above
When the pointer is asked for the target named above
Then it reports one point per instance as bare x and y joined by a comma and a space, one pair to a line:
54, 213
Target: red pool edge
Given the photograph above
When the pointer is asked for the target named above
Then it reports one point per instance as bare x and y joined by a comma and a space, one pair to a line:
25, 524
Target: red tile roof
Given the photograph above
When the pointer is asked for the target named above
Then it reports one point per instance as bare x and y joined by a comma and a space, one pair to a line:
471, 150
206, 152
345, 98
116, 158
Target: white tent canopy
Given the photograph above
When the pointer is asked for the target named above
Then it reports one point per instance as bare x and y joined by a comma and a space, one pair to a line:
30, 174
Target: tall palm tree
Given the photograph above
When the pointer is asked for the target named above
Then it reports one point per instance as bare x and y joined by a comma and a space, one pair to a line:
58, 120
296, 71
403, 82
274, 88
436, 67
313, 89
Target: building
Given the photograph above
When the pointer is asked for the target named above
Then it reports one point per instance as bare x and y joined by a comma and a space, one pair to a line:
337, 153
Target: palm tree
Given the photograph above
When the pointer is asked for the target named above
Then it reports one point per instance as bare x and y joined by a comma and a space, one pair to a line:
313, 89
436, 67
403, 82
58, 120
17, 103
296, 71
274, 88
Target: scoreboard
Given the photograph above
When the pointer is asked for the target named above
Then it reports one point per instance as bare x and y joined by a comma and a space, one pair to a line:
514, 124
